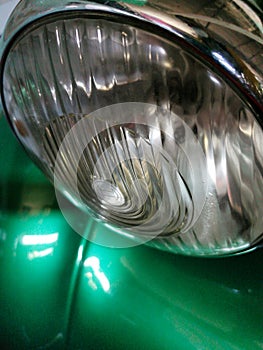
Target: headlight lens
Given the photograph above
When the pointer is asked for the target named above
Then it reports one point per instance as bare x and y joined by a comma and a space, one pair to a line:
168, 149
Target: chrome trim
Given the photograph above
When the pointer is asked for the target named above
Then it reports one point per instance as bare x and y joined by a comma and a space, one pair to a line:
225, 35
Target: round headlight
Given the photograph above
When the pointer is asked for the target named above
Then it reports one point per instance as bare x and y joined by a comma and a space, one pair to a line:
145, 119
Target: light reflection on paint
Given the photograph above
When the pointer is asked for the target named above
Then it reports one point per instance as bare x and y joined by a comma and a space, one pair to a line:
40, 253
40, 239
91, 283
80, 254
94, 263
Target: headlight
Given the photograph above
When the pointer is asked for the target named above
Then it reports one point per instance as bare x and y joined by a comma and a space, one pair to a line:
150, 119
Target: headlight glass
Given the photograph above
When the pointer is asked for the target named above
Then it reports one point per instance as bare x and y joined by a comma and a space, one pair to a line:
169, 150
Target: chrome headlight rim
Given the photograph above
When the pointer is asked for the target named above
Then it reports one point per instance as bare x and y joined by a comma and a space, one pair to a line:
193, 40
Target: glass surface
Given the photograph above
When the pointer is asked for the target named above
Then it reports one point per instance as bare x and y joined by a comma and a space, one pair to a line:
60, 72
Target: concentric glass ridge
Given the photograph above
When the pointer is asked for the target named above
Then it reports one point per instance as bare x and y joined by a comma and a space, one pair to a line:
135, 174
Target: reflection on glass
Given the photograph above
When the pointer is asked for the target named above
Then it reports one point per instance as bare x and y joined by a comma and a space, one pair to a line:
218, 56
94, 264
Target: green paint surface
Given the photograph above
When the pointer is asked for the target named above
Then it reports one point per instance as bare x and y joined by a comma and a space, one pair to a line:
60, 292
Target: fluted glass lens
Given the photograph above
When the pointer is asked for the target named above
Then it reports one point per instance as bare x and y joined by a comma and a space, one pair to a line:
168, 150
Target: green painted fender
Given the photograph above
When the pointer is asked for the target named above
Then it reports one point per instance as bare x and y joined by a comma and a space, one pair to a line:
59, 291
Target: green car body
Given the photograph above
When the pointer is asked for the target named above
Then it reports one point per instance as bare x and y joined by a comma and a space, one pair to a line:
59, 291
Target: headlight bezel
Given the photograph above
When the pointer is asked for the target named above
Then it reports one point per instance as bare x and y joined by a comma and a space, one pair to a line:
248, 84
